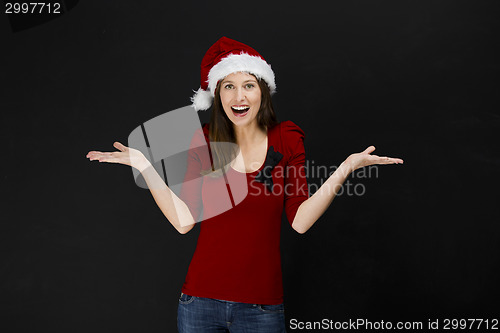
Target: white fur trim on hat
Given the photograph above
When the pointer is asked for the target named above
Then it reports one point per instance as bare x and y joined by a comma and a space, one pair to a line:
202, 99
241, 63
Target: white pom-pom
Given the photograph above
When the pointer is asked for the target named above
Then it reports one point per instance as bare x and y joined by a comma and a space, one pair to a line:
202, 99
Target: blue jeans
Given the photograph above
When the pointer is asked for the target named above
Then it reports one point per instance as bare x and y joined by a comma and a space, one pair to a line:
207, 315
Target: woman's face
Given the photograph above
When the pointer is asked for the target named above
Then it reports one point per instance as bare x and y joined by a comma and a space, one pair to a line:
240, 96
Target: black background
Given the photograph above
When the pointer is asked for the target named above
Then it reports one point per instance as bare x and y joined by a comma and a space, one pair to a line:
84, 249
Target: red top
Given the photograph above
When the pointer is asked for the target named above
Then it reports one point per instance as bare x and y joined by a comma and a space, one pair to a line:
237, 256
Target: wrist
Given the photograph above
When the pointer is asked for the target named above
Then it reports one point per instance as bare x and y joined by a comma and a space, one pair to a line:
143, 165
346, 168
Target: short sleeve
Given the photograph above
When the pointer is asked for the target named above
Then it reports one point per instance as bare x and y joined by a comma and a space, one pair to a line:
197, 159
296, 188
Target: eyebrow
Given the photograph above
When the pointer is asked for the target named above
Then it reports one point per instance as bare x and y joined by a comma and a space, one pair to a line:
251, 80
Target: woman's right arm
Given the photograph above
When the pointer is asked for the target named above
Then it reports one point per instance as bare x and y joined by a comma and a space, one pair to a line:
174, 209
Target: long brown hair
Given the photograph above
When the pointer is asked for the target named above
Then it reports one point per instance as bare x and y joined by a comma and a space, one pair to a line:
222, 130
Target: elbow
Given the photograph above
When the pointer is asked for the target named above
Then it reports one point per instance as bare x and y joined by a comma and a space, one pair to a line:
299, 221
300, 231
298, 228
185, 230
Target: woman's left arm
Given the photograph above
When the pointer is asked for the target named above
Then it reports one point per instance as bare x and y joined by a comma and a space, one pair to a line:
311, 209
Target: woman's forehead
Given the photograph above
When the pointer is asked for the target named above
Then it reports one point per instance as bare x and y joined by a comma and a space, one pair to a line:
239, 76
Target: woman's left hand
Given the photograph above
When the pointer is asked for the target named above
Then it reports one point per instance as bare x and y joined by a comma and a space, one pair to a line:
359, 160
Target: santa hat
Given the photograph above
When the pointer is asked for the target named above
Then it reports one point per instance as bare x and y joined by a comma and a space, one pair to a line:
228, 56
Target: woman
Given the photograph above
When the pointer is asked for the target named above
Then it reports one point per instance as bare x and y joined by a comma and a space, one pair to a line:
234, 281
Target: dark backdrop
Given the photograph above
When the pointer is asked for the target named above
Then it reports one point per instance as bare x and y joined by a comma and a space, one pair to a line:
84, 249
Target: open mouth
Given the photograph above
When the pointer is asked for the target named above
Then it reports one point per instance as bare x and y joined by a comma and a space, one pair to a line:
240, 111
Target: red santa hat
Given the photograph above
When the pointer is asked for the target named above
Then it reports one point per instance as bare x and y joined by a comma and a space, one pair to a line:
228, 56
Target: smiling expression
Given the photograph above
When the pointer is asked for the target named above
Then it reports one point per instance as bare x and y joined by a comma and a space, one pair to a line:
241, 98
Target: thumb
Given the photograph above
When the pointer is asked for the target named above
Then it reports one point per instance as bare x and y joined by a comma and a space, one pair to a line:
369, 149
119, 146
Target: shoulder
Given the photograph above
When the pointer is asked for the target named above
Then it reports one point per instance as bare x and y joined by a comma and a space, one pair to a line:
199, 137
290, 130
291, 137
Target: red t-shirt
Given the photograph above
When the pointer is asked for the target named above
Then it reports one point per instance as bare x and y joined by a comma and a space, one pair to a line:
237, 256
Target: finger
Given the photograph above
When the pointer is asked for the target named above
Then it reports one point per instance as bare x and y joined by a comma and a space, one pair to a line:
389, 160
99, 156
109, 158
394, 159
369, 150
92, 155
95, 155
119, 146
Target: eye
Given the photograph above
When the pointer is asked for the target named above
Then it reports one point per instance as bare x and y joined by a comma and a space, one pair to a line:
228, 86
249, 85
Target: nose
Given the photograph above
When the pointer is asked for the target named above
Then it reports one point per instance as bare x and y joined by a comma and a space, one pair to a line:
240, 94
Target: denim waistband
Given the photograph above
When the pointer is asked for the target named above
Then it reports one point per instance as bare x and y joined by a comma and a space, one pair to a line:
222, 300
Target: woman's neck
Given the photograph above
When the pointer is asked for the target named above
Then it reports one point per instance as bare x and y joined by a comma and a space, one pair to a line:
249, 135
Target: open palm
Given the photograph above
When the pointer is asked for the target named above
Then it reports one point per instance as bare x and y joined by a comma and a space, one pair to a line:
365, 158
127, 156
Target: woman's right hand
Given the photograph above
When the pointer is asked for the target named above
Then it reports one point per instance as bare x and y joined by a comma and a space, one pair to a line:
127, 156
